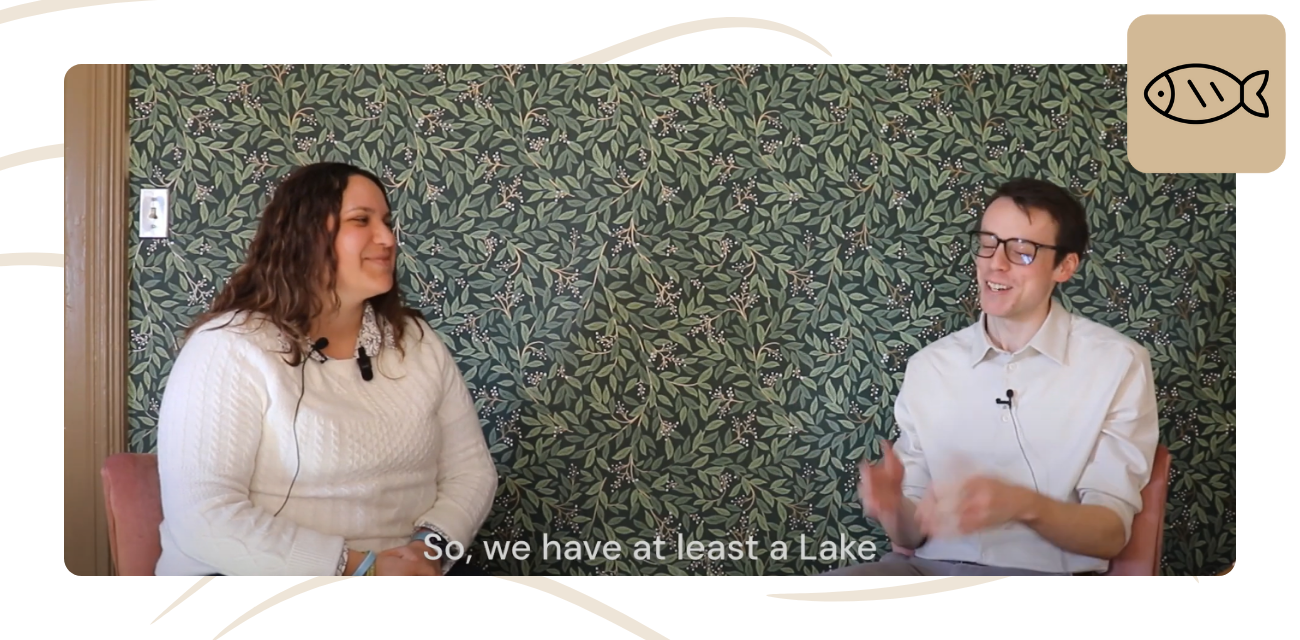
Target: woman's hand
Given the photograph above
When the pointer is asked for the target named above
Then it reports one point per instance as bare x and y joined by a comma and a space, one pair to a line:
355, 558
407, 560
419, 549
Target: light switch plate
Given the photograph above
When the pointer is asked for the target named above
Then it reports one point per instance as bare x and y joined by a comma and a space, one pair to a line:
153, 213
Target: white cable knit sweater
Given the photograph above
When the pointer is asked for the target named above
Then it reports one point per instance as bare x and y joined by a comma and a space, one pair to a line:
378, 458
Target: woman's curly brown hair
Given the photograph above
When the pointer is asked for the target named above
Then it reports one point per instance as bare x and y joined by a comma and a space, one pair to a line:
294, 243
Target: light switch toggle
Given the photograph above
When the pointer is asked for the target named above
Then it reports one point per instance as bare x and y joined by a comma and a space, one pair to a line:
153, 213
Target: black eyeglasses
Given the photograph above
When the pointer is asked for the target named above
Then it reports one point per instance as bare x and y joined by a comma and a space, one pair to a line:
1018, 250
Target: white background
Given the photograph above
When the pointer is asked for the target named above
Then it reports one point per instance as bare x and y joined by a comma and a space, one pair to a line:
37, 51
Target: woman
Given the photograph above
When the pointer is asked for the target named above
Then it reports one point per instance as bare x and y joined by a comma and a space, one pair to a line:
312, 424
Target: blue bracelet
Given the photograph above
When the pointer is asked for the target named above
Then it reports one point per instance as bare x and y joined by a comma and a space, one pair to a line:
365, 564
422, 535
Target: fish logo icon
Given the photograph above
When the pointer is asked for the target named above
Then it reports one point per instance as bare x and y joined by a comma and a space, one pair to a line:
1205, 94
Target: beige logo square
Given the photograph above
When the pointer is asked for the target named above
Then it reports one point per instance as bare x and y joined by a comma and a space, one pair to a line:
1206, 94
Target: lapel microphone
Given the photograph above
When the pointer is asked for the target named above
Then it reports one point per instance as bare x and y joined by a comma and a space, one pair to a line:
1007, 402
363, 363
1015, 424
363, 358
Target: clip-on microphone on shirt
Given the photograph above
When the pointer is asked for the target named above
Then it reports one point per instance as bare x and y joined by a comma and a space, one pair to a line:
1015, 423
1007, 402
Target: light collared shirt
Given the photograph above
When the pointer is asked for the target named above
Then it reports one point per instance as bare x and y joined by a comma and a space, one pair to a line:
1081, 426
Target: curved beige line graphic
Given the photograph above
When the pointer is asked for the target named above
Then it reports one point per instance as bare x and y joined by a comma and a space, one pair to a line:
50, 6
609, 613
197, 585
687, 28
296, 590
18, 159
890, 593
31, 259
589, 603
31, 155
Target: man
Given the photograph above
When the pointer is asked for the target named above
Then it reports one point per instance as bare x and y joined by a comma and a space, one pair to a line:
1026, 438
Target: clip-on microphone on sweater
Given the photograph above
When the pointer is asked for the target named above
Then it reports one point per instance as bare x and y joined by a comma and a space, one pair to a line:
316, 347
363, 362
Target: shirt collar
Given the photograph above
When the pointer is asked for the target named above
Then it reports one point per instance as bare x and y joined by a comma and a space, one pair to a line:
1051, 340
370, 338
981, 346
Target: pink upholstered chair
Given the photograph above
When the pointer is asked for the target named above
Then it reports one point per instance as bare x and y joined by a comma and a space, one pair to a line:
134, 509
1141, 557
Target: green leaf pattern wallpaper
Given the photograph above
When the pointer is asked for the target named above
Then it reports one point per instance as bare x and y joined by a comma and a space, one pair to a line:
683, 296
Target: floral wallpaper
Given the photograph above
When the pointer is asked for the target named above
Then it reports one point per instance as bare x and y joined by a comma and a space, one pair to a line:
683, 296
